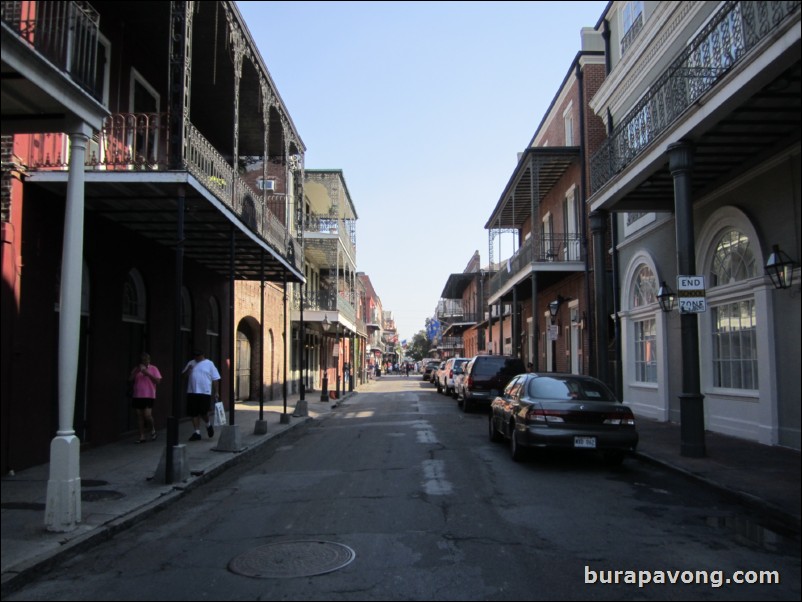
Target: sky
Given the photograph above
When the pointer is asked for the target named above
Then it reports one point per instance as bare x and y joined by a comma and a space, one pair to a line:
424, 106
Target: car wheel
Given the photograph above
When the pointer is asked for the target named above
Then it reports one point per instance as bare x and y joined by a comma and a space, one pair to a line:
516, 451
495, 436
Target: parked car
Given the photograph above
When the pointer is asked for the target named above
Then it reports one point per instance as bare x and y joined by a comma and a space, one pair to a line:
566, 411
435, 378
428, 366
453, 368
485, 377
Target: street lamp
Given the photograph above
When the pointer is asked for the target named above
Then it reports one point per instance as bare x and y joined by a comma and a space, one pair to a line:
554, 306
780, 268
666, 297
324, 393
337, 363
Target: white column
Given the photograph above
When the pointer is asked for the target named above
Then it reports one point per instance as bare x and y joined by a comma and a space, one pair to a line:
63, 510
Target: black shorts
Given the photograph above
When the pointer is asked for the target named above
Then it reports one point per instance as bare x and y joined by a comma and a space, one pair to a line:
140, 403
198, 404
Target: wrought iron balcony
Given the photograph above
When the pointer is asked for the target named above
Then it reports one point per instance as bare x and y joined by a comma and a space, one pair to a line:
724, 42
323, 300
345, 229
65, 33
539, 251
138, 142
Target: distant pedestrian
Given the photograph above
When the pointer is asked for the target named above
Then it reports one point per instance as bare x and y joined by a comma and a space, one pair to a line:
530, 367
202, 386
143, 378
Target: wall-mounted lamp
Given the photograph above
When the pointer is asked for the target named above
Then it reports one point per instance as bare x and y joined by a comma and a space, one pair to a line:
666, 297
554, 306
780, 268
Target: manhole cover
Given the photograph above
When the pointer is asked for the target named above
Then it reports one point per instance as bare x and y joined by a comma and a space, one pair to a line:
99, 495
292, 559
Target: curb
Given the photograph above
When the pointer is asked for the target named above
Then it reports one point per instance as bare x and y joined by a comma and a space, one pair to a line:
775, 514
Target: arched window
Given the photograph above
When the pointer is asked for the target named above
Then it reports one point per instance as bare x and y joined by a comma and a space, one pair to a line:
134, 298
734, 322
733, 259
644, 287
644, 293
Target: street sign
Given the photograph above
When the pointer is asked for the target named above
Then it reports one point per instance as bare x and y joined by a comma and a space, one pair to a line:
554, 332
691, 294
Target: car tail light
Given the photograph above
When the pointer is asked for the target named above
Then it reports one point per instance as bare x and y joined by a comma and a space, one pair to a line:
470, 382
543, 416
450, 374
621, 418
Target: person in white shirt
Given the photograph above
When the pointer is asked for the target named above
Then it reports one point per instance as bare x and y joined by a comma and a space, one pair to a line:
203, 381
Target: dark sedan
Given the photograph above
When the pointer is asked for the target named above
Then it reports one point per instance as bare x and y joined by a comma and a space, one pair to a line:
567, 411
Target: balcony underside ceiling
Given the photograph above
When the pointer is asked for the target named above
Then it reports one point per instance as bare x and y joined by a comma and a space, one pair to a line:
538, 170
762, 126
321, 253
456, 284
149, 209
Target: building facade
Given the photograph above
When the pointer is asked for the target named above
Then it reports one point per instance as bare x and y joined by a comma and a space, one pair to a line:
542, 295
701, 173
128, 210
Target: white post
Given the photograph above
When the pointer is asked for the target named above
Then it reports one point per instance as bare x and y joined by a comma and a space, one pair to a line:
63, 510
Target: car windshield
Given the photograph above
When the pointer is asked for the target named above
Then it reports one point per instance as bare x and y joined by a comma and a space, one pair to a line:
569, 389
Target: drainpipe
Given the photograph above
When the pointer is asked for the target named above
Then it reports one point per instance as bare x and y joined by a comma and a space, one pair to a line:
583, 193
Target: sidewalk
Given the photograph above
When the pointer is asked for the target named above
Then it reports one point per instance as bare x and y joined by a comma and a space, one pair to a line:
118, 488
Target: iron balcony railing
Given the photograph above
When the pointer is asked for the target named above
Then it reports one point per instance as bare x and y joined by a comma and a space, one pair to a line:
729, 36
323, 300
65, 33
138, 142
451, 343
345, 229
463, 318
538, 250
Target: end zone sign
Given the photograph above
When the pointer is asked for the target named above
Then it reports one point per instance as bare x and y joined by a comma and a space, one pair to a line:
691, 294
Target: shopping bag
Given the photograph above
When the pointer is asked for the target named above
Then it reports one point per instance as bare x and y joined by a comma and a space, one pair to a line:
219, 414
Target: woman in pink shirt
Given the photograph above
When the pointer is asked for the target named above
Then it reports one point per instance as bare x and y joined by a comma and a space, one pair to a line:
144, 376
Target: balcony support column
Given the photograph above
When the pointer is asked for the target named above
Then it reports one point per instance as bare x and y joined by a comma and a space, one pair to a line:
692, 420
598, 228
63, 508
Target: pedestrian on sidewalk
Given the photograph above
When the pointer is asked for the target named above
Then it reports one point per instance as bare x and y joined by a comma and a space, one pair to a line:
143, 378
202, 386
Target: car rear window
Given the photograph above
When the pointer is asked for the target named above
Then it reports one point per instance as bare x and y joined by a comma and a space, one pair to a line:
490, 366
560, 389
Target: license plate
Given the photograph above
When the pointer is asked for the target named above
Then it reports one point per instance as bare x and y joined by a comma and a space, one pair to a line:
587, 442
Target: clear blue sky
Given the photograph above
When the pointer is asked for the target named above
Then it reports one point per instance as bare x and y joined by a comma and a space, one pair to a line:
424, 106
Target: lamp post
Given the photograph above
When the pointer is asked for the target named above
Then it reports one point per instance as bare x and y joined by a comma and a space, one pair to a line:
324, 393
337, 364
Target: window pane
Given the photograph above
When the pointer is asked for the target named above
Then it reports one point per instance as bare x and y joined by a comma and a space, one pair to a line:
735, 346
644, 290
646, 351
733, 260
